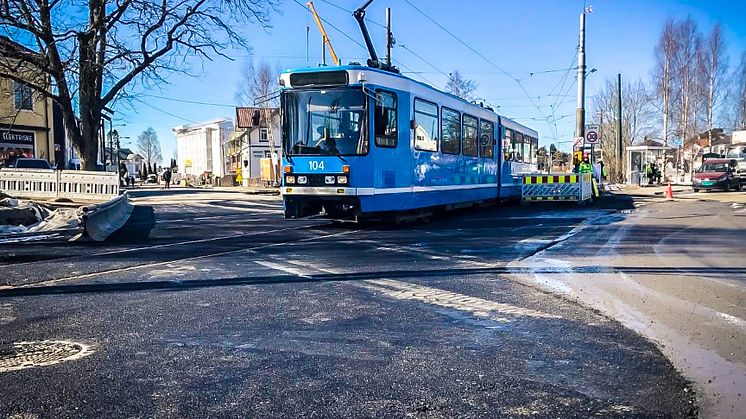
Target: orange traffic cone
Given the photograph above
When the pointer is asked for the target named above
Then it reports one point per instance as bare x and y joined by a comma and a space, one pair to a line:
669, 191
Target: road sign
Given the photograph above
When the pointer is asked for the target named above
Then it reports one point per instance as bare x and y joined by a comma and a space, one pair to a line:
592, 135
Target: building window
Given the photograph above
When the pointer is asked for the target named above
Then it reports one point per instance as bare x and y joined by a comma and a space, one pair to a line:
450, 128
23, 97
263, 135
425, 125
386, 119
471, 135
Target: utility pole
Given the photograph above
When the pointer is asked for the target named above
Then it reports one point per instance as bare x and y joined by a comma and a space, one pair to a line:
580, 113
619, 151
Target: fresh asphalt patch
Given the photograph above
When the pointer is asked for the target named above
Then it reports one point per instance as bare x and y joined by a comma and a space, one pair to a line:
326, 321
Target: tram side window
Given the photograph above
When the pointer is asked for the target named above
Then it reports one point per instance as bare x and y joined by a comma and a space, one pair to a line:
508, 144
450, 128
426, 125
534, 151
517, 147
385, 119
486, 141
471, 135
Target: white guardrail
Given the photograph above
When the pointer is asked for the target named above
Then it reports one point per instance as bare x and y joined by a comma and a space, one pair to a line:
49, 184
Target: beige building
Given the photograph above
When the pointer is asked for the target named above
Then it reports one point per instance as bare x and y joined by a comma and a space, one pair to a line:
26, 123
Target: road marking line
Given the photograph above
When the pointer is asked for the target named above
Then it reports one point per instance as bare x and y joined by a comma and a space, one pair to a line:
283, 268
449, 299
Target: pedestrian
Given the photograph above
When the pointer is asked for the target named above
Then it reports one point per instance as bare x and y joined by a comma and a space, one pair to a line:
585, 165
649, 173
604, 174
167, 178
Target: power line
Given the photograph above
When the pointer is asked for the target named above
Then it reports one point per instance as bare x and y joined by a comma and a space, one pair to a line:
195, 102
500, 69
165, 112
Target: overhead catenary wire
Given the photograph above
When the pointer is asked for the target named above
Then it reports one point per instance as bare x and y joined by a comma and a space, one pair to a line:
165, 112
482, 56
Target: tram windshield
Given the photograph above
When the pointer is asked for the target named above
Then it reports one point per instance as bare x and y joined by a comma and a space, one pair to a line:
324, 122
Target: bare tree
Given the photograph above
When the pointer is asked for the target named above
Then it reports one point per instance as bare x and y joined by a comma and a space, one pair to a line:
457, 85
715, 69
100, 50
739, 94
149, 146
663, 75
257, 84
638, 120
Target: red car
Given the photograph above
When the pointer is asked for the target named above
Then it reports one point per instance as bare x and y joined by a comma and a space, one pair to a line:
717, 174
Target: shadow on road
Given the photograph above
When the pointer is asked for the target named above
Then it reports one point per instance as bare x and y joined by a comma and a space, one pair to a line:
179, 285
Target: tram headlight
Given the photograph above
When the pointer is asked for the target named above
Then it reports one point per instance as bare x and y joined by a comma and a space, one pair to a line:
342, 180
289, 179
302, 180
329, 180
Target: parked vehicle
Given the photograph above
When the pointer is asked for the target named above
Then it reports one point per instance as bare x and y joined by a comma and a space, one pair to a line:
717, 174
151, 179
737, 151
29, 163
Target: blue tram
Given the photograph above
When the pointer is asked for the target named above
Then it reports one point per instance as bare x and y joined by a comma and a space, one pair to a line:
363, 142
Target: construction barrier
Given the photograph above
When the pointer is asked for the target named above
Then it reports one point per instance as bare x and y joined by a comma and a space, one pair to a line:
49, 184
100, 221
576, 187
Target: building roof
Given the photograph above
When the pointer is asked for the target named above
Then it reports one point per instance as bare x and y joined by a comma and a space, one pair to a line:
200, 125
244, 116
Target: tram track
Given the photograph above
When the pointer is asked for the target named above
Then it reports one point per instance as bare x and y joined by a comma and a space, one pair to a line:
138, 266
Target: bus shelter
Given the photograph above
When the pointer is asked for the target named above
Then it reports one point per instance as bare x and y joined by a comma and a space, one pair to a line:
648, 151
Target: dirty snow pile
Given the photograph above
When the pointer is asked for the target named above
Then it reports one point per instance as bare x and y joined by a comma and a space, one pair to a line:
18, 216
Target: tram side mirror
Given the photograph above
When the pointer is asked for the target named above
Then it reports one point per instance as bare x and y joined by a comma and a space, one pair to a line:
412, 124
255, 119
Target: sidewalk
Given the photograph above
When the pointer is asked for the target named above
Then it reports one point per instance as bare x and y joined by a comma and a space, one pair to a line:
654, 190
181, 189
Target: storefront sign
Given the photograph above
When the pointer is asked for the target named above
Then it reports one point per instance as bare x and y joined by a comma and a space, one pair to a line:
15, 144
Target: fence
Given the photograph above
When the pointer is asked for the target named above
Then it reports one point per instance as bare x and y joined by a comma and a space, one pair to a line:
49, 184
560, 187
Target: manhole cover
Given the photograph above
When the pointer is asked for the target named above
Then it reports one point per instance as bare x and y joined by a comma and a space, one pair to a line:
20, 355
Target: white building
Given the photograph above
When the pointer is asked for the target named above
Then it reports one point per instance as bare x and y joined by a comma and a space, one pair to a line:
201, 147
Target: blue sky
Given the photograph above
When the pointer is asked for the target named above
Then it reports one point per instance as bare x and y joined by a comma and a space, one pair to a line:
519, 37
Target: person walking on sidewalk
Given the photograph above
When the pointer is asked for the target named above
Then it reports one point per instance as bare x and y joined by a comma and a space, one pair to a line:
167, 179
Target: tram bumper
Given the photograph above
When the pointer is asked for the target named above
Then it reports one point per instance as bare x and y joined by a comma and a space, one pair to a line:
339, 203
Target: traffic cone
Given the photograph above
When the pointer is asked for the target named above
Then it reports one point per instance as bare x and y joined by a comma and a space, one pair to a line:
669, 191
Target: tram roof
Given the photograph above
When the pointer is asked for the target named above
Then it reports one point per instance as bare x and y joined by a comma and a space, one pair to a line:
399, 81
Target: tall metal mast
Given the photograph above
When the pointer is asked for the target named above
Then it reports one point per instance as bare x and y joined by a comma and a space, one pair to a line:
580, 112
324, 37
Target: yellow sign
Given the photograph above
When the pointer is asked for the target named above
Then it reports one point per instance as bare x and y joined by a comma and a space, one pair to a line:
187, 163
239, 178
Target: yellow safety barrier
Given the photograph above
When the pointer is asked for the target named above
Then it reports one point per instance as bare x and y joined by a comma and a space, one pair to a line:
557, 187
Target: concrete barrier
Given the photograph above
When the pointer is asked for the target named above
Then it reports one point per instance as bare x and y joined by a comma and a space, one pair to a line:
100, 221
49, 184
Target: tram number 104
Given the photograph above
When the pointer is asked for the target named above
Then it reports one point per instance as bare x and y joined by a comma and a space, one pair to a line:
316, 165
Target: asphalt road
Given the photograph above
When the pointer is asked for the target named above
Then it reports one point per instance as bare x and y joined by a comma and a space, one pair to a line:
674, 271
227, 310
